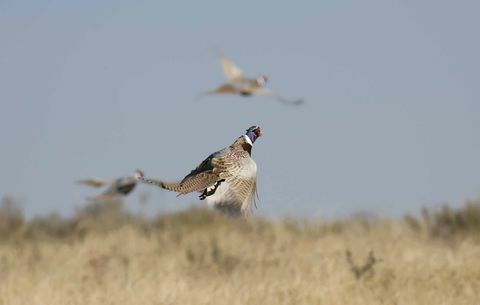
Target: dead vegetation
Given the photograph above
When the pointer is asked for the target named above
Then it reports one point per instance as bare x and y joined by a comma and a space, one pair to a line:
103, 255
366, 269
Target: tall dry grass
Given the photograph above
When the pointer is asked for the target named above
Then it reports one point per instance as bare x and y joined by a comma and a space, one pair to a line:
103, 255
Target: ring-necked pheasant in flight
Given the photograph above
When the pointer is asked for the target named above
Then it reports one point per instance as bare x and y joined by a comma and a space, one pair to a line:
226, 178
239, 84
116, 187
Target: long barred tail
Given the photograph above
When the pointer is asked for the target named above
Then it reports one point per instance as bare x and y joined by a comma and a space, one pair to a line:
174, 187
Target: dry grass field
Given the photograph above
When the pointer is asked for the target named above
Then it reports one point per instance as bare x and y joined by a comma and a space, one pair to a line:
106, 256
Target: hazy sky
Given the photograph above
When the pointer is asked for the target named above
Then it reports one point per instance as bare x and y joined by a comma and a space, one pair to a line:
100, 88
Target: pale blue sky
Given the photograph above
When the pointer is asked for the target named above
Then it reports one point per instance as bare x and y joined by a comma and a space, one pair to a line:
100, 88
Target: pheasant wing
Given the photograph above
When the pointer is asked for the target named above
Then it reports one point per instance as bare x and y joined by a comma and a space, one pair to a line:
232, 72
110, 193
95, 182
200, 178
125, 185
237, 194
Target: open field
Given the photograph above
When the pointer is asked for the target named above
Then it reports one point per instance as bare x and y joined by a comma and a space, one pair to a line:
105, 256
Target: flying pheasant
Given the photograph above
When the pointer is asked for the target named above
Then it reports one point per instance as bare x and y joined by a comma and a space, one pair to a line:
239, 84
116, 187
226, 178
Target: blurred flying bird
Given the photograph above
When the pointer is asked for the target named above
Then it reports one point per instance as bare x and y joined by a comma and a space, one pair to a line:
116, 187
239, 84
226, 178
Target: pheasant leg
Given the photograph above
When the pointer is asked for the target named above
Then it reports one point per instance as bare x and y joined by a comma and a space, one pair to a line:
207, 192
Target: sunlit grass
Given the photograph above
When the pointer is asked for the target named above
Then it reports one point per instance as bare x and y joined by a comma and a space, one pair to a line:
104, 255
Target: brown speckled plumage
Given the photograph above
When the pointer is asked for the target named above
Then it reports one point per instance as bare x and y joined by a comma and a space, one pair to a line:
227, 178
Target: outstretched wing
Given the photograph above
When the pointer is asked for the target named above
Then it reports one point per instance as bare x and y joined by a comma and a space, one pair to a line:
125, 185
96, 182
119, 187
236, 195
207, 173
232, 72
110, 193
223, 89
197, 182
200, 178
193, 184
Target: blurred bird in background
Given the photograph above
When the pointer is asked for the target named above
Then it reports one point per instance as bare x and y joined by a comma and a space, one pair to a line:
226, 178
116, 187
239, 84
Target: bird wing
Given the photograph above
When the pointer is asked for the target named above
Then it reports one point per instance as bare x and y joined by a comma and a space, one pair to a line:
117, 187
200, 178
109, 194
266, 92
125, 185
223, 89
95, 182
232, 72
196, 183
237, 194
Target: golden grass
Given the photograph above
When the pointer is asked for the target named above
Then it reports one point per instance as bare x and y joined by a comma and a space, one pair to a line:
104, 256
